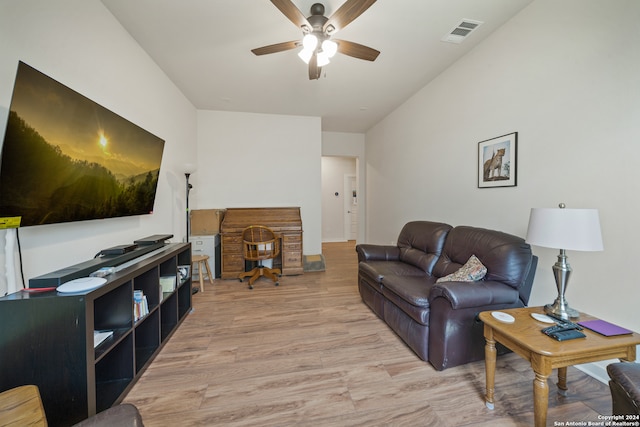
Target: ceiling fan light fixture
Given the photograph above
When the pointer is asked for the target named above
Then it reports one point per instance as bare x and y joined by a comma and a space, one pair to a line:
330, 48
317, 48
323, 59
306, 54
310, 42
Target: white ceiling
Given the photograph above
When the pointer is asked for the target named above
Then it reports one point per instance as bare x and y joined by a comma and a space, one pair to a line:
204, 46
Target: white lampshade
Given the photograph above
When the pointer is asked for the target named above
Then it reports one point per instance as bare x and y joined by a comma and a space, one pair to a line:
310, 42
561, 228
323, 59
330, 48
305, 54
189, 168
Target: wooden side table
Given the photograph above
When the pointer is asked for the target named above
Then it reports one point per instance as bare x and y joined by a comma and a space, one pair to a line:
524, 338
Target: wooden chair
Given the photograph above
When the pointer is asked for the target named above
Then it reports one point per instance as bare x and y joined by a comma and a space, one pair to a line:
260, 243
21, 406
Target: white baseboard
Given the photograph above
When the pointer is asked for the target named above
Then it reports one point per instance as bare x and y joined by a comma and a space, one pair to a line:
337, 240
598, 370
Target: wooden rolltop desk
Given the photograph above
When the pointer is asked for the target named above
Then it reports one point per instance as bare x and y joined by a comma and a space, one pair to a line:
285, 222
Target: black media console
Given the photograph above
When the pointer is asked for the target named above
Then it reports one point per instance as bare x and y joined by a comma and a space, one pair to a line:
47, 338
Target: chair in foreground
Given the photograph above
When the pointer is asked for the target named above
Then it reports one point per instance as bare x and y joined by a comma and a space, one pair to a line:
22, 406
625, 387
259, 244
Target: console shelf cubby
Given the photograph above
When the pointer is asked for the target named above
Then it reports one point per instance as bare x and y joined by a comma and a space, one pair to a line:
47, 338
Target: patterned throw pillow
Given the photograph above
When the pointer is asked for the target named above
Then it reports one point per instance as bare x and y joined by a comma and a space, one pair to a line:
472, 271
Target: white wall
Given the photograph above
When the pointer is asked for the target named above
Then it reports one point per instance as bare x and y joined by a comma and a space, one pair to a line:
350, 145
261, 160
565, 76
79, 43
334, 171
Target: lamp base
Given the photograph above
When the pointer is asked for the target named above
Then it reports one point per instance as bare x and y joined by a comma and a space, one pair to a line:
561, 311
560, 307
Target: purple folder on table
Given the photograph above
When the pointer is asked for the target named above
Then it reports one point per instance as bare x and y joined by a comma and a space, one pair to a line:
604, 328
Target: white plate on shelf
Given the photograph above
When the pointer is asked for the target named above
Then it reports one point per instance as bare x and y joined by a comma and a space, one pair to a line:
542, 318
82, 284
503, 317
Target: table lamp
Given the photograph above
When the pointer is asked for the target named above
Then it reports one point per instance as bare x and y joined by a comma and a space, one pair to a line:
561, 228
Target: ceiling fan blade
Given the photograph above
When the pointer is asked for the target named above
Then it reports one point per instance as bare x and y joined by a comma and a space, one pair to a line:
357, 50
346, 13
292, 12
314, 70
274, 48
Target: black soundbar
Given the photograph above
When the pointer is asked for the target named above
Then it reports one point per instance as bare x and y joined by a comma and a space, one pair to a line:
118, 250
152, 240
57, 278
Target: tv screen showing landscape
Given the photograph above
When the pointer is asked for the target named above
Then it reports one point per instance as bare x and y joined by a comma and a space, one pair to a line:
66, 158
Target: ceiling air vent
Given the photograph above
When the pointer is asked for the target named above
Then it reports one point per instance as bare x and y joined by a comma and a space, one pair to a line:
461, 31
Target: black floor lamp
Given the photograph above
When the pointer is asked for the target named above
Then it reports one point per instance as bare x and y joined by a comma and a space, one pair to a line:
188, 170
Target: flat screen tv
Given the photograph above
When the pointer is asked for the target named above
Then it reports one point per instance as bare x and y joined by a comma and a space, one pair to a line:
65, 158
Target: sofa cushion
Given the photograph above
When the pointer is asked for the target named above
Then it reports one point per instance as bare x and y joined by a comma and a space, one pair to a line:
507, 257
421, 243
411, 294
484, 293
472, 271
376, 270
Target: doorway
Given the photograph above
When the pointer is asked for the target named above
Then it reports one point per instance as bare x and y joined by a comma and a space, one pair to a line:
340, 198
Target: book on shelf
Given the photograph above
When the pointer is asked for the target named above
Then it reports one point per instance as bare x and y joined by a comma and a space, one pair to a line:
100, 336
140, 305
168, 283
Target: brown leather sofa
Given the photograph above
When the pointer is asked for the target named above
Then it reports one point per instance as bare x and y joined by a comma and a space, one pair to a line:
625, 387
439, 321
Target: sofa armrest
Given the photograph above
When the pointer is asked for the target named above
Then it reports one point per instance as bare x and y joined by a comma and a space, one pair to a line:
474, 294
122, 415
625, 387
367, 252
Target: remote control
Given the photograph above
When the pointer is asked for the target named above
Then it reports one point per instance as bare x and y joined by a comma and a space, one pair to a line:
552, 330
567, 324
569, 334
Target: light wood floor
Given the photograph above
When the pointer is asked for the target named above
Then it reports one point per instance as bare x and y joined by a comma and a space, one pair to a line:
310, 353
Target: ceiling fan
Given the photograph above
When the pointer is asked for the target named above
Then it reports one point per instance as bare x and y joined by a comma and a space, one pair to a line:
318, 45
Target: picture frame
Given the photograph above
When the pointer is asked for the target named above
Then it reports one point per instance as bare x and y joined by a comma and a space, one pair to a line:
498, 161
184, 272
